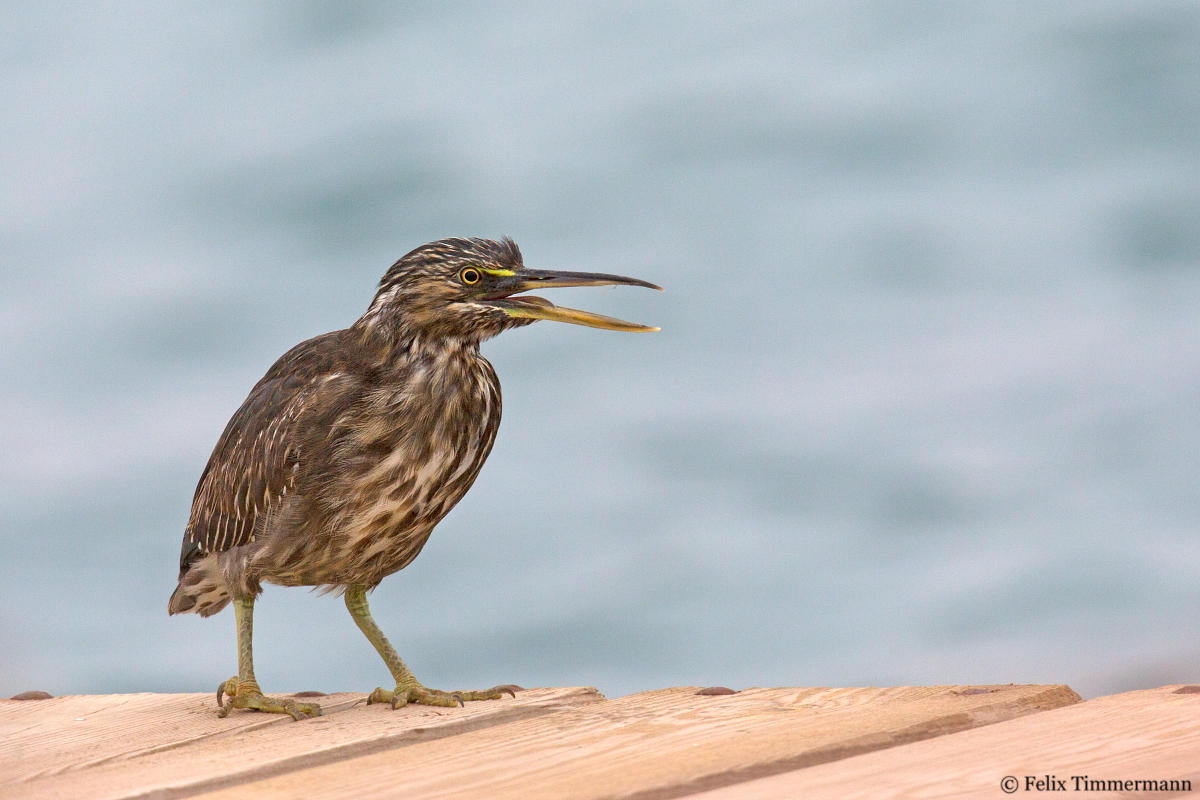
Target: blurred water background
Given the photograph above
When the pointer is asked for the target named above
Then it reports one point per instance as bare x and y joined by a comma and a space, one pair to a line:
924, 408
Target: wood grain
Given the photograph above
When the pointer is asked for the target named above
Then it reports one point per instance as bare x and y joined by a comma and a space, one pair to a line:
1150, 734
173, 746
662, 744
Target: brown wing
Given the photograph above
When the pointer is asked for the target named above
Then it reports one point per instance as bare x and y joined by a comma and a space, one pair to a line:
255, 463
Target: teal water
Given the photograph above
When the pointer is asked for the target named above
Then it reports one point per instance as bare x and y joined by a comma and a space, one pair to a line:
924, 408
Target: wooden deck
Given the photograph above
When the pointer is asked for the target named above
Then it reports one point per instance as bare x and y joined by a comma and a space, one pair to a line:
944, 741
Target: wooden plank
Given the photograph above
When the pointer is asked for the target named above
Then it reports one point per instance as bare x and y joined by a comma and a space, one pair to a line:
167, 746
1152, 734
44, 737
667, 743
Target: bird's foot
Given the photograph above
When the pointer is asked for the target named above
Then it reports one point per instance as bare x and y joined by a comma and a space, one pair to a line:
246, 694
416, 693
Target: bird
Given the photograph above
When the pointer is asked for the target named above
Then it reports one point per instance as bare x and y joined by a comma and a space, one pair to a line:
356, 443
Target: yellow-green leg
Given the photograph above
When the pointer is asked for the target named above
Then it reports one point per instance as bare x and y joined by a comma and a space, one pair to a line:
408, 688
242, 690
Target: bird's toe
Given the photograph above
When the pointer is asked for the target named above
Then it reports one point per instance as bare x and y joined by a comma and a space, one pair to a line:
435, 697
236, 693
494, 693
381, 695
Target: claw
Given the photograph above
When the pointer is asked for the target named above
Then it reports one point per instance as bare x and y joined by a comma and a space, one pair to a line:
222, 690
510, 688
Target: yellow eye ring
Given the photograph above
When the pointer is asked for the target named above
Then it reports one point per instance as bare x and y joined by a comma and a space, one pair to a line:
469, 276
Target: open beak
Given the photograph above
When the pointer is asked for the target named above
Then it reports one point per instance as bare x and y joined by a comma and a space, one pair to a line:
540, 308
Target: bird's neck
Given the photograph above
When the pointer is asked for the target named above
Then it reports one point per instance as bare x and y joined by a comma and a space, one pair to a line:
386, 344
425, 387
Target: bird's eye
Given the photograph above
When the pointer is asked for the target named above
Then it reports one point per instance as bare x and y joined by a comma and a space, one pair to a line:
469, 276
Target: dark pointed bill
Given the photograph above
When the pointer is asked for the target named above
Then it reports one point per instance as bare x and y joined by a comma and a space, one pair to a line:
530, 307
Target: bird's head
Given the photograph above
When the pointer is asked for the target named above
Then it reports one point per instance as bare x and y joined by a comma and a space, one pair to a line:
468, 288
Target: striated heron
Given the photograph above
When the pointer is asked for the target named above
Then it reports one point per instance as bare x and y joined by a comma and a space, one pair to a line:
355, 444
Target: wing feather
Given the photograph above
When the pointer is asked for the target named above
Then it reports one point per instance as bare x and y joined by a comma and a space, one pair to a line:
256, 461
